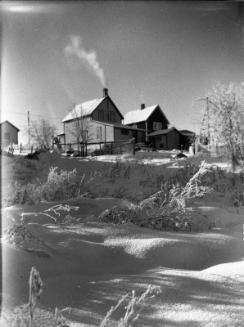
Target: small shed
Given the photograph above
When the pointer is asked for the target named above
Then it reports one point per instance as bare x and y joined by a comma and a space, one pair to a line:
166, 139
8, 134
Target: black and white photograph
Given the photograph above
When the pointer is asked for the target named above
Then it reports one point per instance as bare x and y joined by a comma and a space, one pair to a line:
122, 163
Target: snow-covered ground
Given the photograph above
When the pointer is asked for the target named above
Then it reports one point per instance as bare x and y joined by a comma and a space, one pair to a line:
90, 265
125, 158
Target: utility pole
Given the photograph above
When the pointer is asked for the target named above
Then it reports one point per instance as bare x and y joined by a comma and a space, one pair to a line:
28, 121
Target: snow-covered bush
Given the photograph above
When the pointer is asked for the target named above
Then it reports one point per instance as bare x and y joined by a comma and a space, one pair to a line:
166, 209
60, 185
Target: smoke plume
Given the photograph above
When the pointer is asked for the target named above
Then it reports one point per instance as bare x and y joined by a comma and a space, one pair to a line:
89, 57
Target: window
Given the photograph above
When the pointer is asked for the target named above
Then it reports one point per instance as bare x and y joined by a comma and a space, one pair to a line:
124, 131
99, 133
157, 126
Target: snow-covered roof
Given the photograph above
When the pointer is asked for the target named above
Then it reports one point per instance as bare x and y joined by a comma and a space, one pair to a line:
186, 131
162, 131
83, 109
139, 115
8, 122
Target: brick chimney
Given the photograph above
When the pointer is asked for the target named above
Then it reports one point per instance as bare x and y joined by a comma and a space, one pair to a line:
143, 106
105, 92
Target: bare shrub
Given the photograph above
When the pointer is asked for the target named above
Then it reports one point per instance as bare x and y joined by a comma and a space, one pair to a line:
35, 290
59, 319
21, 236
61, 185
61, 213
133, 308
165, 209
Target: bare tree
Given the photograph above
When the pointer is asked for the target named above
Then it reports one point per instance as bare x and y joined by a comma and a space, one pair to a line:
42, 133
226, 109
82, 132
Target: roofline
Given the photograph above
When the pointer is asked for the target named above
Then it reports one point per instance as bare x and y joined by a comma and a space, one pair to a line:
186, 131
114, 106
168, 130
6, 121
90, 115
156, 106
102, 122
72, 119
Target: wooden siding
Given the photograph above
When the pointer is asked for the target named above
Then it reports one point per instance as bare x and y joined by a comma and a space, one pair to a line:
141, 125
167, 141
107, 112
157, 117
97, 131
121, 135
8, 134
173, 140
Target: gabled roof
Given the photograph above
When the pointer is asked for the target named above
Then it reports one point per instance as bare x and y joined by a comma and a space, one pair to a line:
140, 115
83, 109
6, 121
163, 131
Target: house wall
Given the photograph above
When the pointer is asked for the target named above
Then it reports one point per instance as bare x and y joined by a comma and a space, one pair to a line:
158, 117
141, 125
97, 132
173, 140
168, 141
141, 136
8, 134
73, 128
120, 136
107, 112
159, 141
